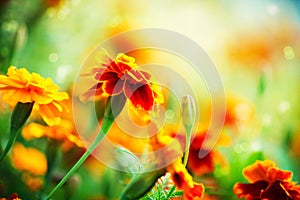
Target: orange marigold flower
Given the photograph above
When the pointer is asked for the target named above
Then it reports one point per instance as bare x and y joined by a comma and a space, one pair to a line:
29, 159
183, 180
266, 181
63, 131
123, 75
21, 86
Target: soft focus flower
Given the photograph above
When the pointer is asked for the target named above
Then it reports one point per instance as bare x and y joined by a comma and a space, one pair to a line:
295, 143
183, 180
166, 146
33, 182
64, 131
118, 137
13, 196
266, 181
200, 166
123, 75
29, 159
255, 49
238, 110
21, 86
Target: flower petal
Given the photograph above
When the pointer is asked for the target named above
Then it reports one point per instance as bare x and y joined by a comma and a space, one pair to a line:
193, 193
276, 191
140, 95
251, 191
277, 174
258, 171
50, 113
113, 86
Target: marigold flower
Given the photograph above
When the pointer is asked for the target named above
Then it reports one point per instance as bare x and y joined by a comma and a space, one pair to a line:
183, 180
29, 159
21, 86
123, 75
266, 181
63, 131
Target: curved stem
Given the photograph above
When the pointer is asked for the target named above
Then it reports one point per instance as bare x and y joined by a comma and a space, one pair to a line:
105, 127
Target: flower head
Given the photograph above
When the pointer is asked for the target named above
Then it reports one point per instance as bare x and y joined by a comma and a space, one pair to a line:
123, 75
21, 86
266, 181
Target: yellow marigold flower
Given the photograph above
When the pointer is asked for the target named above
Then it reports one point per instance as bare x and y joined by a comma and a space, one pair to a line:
21, 86
29, 159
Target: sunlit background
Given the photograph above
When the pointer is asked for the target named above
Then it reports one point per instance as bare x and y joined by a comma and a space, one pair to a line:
255, 46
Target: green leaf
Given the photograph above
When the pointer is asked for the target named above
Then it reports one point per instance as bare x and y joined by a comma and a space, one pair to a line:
19, 116
141, 184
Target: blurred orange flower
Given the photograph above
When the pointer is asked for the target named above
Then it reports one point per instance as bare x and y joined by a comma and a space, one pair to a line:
123, 75
183, 180
267, 182
118, 137
256, 49
21, 86
63, 131
33, 182
29, 159
238, 110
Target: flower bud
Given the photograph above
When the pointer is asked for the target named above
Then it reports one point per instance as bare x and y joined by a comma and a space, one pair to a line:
19, 116
188, 112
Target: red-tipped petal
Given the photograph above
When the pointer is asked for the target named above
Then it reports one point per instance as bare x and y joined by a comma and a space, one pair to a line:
140, 96
252, 191
113, 86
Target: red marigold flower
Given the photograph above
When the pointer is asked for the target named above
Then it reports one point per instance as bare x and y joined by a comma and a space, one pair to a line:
13, 196
266, 181
123, 75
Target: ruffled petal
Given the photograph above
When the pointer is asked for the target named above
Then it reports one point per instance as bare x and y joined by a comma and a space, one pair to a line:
93, 92
277, 174
258, 171
113, 86
50, 113
251, 191
140, 95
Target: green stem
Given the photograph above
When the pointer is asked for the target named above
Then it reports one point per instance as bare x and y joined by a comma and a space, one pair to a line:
187, 145
105, 128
